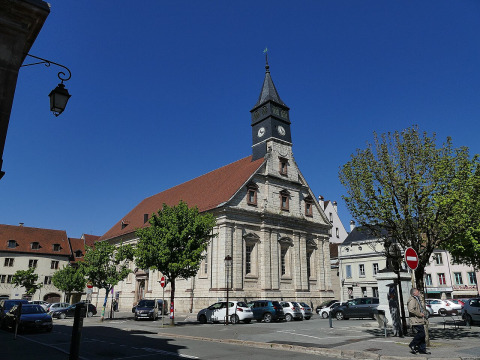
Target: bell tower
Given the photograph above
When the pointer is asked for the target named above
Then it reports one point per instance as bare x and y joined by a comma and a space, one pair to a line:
270, 118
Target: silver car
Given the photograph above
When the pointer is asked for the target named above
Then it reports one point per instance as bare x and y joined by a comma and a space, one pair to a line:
471, 311
57, 306
306, 310
291, 310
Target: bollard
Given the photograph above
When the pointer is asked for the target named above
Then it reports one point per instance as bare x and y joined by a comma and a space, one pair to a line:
80, 311
330, 318
385, 325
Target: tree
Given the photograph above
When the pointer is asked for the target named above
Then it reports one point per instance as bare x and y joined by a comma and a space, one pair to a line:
175, 242
27, 279
69, 279
424, 196
105, 265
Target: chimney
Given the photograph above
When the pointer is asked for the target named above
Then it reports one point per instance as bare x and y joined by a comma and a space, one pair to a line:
20, 224
352, 225
321, 202
335, 206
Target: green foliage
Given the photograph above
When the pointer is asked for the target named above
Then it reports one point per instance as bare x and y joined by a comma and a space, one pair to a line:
423, 195
27, 279
175, 242
105, 265
69, 279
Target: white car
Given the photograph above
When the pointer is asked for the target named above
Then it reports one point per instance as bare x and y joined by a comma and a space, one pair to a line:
440, 307
237, 311
42, 303
324, 312
456, 308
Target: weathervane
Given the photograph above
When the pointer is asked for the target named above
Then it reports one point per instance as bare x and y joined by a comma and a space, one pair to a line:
266, 59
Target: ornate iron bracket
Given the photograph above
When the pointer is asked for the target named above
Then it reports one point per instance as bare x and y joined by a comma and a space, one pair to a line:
61, 75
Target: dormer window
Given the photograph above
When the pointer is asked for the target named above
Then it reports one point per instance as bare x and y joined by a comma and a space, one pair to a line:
309, 206
283, 167
56, 247
284, 200
78, 254
35, 245
252, 190
124, 224
11, 244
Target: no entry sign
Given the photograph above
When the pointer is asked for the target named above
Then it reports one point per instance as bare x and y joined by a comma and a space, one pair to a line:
162, 281
411, 258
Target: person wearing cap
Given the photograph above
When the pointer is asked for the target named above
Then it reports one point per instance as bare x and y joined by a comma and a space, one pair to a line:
417, 320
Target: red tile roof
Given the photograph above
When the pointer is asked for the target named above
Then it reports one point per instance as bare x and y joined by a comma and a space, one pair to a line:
25, 236
206, 192
90, 239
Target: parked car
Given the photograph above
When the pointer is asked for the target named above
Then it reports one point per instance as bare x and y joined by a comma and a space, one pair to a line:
471, 311
266, 310
33, 317
440, 307
455, 307
6, 305
237, 311
146, 309
57, 306
292, 311
166, 310
458, 302
42, 303
324, 304
306, 310
70, 311
324, 312
356, 308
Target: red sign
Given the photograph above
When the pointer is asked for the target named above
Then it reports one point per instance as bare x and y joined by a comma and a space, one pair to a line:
162, 281
411, 258
89, 285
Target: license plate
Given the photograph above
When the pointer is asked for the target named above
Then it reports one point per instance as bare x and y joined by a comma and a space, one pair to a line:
143, 314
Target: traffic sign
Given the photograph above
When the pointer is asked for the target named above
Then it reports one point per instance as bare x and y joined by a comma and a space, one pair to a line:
411, 258
89, 285
162, 281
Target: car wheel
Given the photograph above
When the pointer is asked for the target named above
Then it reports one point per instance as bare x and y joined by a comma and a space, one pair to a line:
202, 319
267, 317
247, 321
288, 317
442, 312
307, 318
89, 314
62, 316
324, 315
339, 315
234, 319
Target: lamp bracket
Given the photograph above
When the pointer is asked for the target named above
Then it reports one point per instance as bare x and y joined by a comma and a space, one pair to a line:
61, 75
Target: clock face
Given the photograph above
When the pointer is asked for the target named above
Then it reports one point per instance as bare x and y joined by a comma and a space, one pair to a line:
261, 132
281, 130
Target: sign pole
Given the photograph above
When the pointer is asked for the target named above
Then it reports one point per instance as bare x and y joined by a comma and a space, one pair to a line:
163, 304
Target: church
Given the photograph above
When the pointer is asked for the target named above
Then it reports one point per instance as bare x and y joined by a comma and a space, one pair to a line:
268, 221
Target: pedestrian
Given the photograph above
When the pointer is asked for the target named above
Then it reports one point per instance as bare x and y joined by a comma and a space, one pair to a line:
417, 320
394, 310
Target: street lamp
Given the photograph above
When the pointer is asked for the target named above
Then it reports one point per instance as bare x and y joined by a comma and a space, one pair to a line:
58, 96
228, 266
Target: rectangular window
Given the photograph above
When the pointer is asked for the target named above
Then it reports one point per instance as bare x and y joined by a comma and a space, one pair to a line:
35, 245
205, 264
8, 262
428, 279
361, 270
472, 280
375, 292
375, 269
458, 278
350, 292
283, 166
283, 256
12, 244
284, 199
248, 259
308, 209
331, 217
252, 197
438, 258
348, 271
9, 279
441, 279
32, 263
54, 264
47, 280
3, 278
337, 233
56, 247
309, 259
364, 291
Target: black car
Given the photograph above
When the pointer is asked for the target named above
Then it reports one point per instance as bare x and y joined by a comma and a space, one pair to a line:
146, 309
33, 317
70, 311
356, 308
6, 305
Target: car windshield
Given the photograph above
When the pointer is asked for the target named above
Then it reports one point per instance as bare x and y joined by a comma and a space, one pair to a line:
32, 309
146, 303
304, 305
241, 304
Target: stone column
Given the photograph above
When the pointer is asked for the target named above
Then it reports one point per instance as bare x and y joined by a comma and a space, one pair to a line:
237, 255
265, 264
303, 261
296, 268
275, 260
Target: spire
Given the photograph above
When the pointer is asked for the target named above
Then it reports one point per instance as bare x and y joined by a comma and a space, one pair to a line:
269, 92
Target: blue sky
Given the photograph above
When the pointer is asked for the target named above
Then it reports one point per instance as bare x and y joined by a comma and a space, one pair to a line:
161, 93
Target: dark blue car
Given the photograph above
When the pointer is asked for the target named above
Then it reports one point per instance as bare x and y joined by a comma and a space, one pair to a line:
6, 305
33, 317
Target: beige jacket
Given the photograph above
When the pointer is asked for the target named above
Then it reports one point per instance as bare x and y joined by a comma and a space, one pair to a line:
414, 313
